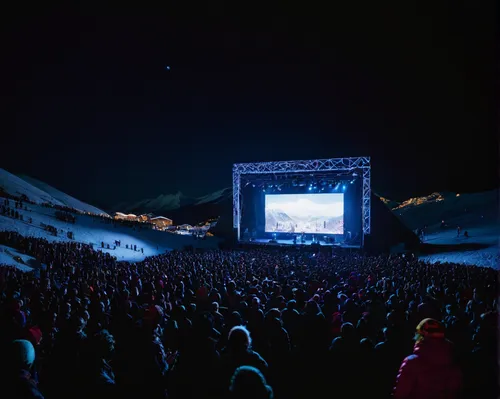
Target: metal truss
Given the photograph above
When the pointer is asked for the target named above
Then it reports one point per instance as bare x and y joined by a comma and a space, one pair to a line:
311, 166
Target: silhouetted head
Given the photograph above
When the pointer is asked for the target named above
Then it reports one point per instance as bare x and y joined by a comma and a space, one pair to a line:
239, 339
249, 383
21, 355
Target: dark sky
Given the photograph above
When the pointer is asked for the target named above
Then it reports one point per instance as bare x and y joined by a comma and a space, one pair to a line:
90, 107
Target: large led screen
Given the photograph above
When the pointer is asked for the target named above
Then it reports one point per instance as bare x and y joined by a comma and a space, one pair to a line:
305, 213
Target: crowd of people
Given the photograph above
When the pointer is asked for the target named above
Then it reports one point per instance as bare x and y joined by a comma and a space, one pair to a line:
257, 323
65, 217
6, 210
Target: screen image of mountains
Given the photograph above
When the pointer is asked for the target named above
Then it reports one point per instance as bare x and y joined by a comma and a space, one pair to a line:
309, 213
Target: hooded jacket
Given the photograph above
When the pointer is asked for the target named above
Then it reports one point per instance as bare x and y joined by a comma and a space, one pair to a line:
429, 373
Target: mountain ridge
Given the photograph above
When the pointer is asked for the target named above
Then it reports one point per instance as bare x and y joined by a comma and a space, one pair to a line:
167, 203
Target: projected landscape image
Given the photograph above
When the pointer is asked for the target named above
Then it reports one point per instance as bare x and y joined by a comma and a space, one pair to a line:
308, 213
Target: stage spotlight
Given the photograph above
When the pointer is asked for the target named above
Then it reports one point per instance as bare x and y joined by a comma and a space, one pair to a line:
310, 188
343, 187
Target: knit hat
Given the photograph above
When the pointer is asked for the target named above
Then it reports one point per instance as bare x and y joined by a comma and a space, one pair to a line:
430, 328
22, 354
34, 335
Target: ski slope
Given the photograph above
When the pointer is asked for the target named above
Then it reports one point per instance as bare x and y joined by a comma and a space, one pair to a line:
8, 255
40, 192
16, 186
476, 213
63, 198
95, 230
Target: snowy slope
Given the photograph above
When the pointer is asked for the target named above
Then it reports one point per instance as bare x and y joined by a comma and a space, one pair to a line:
455, 209
216, 197
166, 203
40, 192
159, 205
16, 186
63, 198
94, 230
476, 213
8, 257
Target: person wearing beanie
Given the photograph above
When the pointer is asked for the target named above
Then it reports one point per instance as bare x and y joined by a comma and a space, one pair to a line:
429, 373
249, 383
239, 352
17, 381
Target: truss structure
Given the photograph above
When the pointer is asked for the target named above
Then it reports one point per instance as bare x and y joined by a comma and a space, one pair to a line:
312, 166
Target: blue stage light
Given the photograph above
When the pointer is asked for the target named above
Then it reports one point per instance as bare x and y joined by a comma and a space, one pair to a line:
343, 188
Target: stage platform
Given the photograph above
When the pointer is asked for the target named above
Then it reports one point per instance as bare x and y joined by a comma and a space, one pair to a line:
307, 243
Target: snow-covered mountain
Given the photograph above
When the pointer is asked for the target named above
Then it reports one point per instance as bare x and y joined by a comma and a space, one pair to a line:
216, 197
159, 205
166, 203
63, 198
40, 192
274, 216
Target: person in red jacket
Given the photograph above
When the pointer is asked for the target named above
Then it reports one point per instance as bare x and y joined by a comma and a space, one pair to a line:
429, 373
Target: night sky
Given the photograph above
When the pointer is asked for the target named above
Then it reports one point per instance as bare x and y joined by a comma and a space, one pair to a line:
91, 108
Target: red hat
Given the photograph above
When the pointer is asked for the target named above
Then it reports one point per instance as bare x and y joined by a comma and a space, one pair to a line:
35, 335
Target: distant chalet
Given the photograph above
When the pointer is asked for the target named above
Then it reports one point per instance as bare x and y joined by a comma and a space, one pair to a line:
161, 222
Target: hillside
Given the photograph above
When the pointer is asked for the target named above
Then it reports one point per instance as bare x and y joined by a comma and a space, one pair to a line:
63, 198
175, 205
96, 230
476, 213
454, 208
40, 192
16, 186
160, 205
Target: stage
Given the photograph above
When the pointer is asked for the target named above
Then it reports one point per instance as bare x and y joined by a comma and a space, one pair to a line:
307, 243
322, 198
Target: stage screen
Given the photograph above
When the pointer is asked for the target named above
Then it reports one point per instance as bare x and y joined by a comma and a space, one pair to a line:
305, 213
